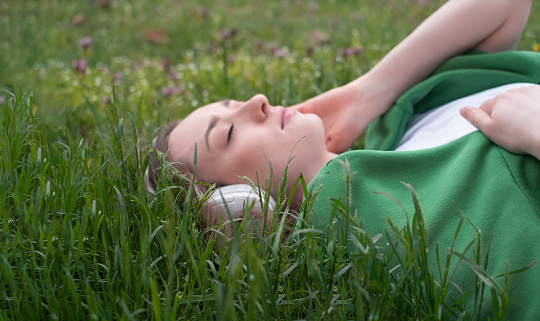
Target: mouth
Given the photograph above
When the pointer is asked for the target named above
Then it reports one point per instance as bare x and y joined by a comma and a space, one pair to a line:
285, 115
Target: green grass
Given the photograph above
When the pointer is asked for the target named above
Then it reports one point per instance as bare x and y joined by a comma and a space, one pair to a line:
80, 238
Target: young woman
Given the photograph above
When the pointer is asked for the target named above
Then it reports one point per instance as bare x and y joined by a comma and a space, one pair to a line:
453, 168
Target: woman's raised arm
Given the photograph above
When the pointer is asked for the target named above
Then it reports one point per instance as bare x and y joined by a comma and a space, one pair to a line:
459, 25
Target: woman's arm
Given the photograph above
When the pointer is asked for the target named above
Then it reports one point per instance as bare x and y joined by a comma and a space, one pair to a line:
511, 120
459, 25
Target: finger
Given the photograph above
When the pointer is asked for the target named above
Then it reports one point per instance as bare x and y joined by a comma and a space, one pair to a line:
332, 145
336, 145
477, 117
302, 107
487, 106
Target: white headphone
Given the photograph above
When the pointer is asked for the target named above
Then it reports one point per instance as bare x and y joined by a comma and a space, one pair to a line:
231, 198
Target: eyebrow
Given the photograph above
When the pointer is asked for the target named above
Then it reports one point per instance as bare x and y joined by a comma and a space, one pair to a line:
213, 123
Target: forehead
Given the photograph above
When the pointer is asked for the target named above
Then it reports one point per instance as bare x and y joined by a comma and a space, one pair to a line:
191, 130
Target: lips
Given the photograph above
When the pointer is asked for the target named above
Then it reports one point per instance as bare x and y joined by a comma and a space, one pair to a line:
285, 115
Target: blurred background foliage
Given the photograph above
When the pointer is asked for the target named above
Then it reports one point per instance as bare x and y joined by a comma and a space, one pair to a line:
166, 57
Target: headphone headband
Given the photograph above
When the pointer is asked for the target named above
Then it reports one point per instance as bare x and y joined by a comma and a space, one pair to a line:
147, 183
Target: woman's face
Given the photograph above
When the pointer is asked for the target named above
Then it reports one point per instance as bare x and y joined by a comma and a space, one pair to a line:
244, 138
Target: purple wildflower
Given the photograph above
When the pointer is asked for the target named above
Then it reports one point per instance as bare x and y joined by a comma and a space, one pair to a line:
80, 65
422, 3
227, 33
78, 19
165, 64
212, 47
258, 46
309, 50
318, 38
280, 53
117, 77
169, 91
172, 76
356, 51
351, 51
203, 11
272, 47
103, 4
85, 43
355, 15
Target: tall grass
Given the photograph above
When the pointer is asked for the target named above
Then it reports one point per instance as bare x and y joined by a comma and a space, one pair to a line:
80, 238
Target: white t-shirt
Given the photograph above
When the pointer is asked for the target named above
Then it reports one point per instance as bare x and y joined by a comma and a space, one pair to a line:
444, 124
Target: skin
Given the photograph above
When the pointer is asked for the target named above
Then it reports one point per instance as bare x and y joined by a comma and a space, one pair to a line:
261, 135
511, 120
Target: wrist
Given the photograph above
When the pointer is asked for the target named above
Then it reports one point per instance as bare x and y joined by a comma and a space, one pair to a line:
374, 93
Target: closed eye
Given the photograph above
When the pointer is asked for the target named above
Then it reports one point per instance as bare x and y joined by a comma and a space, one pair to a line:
230, 134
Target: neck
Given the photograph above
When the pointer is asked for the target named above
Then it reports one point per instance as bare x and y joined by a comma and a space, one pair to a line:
309, 174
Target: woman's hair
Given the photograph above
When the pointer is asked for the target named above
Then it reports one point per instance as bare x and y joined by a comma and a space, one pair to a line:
211, 216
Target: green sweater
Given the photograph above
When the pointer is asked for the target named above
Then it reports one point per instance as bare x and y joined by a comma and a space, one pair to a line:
497, 190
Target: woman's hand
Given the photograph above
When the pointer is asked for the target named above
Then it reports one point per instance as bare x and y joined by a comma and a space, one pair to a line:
511, 120
346, 111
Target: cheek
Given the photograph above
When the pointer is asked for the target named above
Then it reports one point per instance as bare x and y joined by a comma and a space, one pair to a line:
249, 158
257, 144
250, 162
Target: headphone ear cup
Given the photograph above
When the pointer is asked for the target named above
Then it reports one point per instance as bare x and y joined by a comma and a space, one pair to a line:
231, 199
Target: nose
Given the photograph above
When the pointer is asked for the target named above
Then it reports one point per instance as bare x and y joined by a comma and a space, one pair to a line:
255, 108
